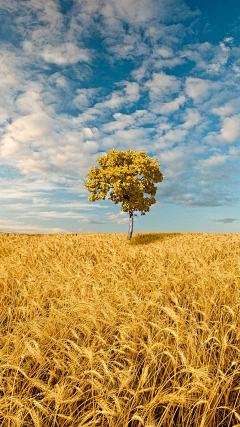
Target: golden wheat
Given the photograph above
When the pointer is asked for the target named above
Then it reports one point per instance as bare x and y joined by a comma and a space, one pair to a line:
97, 330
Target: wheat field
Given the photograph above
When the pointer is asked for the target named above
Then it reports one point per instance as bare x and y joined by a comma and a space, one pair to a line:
97, 330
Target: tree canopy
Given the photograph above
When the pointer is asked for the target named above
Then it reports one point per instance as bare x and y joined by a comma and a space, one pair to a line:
119, 171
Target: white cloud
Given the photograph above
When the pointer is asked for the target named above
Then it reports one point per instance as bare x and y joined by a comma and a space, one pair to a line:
3, 115
28, 165
59, 80
120, 218
134, 137
7, 69
223, 111
117, 99
192, 118
132, 134
122, 121
87, 133
215, 160
168, 63
163, 127
47, 11
130, 46
136, 11
129, 10
132, 91
209, 58
210, 138
84, 98
170, 138
161, 83
170, 107
9, 147
141, 72
229, 132
196, 87
236, 69
12, 226
31, 100
164, 52
67, 53
220, 58
90, 147
28, 128
172, 156
144, 117
114, 102
52, 214
234, 151
228, 40
175, 135
231, 129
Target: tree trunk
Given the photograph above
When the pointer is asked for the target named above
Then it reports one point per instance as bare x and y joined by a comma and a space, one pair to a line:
130, 230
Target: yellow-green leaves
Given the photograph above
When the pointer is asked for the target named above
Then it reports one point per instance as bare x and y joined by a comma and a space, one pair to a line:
118, 171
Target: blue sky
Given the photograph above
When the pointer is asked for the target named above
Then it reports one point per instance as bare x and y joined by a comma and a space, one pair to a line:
80, 77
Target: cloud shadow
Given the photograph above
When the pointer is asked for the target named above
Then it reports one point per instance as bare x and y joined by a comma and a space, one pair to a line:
147, 238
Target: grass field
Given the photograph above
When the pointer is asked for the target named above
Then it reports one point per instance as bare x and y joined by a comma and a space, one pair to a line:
98, 330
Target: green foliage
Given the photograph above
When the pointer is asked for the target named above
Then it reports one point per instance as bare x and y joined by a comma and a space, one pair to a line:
118, 170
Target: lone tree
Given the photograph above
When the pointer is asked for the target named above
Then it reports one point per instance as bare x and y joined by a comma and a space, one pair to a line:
118, 170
